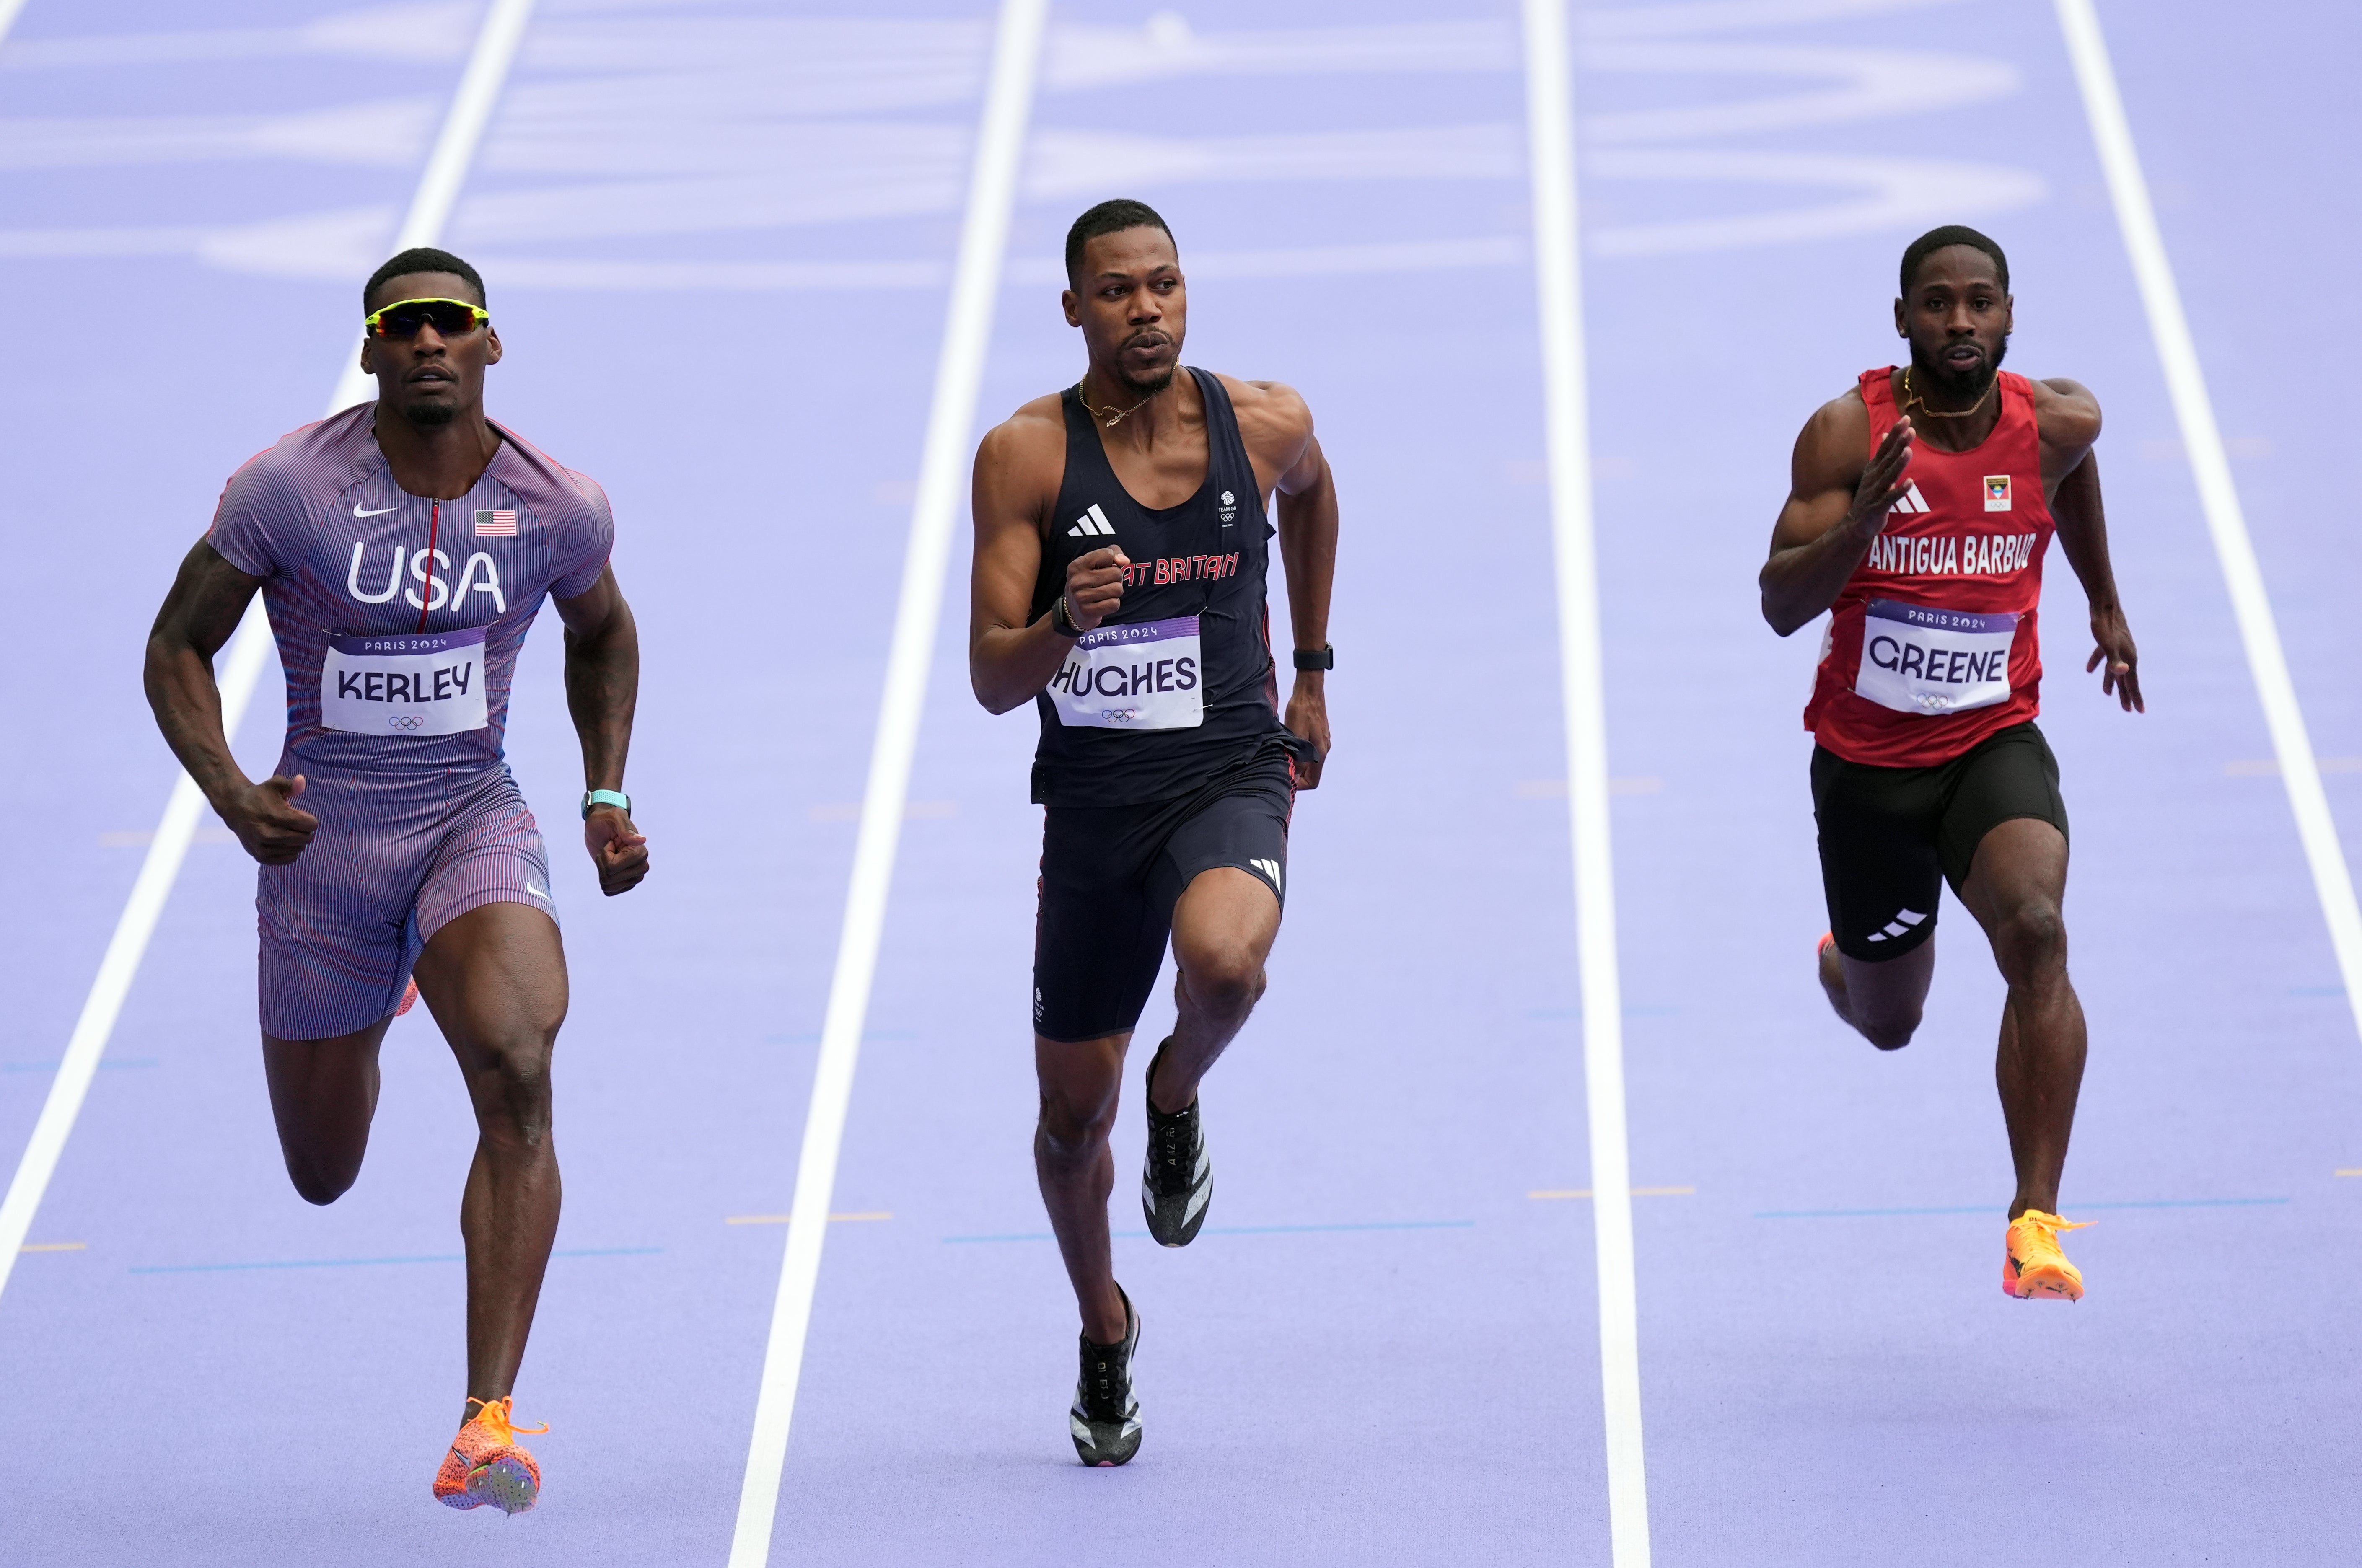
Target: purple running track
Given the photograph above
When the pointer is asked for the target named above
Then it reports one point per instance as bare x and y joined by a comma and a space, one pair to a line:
716, 235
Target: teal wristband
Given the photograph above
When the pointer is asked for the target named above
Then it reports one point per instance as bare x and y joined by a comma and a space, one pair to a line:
597, 797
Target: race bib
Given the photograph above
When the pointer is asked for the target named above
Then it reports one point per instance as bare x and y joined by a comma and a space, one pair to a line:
431, 684
1916, 659
1144, 677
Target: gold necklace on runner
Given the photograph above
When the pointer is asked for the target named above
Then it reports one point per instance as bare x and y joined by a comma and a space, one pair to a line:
1911, 398
1115, 417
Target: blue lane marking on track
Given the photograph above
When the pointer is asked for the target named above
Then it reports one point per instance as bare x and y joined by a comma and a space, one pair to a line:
1988, 1208
372, 1262
1245, 1230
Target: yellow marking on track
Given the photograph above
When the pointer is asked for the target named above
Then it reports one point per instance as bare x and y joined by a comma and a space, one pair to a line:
55, 1247
2357, 1171
782, 1218
1636, 1192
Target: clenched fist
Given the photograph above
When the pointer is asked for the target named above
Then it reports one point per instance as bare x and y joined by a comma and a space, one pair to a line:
1095, 586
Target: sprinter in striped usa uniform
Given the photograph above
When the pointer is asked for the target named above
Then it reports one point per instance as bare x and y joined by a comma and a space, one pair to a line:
402, 549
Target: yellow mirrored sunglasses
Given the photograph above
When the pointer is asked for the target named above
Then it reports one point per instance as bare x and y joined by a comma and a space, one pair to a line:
451, 318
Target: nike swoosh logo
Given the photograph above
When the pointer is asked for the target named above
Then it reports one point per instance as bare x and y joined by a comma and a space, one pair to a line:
536, 892
373, 511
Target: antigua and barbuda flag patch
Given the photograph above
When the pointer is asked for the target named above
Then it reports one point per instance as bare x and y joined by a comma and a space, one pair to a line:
1996, 492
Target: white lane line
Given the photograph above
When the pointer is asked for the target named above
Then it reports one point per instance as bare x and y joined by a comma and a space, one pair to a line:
10, 11
2267, 662
488, 67
942, 475
1558, 271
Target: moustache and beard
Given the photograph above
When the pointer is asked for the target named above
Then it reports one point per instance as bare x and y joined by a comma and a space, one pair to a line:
1963, 388
1148, 386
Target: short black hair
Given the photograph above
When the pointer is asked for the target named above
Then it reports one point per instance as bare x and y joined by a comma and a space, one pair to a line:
1952, 234
423, 259
1109, 217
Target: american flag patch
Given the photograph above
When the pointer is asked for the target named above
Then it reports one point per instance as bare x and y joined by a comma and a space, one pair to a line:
501, 525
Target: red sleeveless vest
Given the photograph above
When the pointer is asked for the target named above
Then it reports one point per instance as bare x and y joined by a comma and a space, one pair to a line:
1944, 604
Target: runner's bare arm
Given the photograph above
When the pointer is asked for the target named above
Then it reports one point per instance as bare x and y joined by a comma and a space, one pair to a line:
1016, 475
602, 693
199, 615
1837, 504
1276, 426
2069, 418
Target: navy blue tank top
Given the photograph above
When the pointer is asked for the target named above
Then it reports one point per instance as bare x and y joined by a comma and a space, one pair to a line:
1205, 558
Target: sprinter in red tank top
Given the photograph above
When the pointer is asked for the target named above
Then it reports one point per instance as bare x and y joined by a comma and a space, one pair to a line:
1920, 506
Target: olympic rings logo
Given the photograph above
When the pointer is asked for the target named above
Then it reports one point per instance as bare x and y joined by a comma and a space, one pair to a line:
1118, 716
408, 721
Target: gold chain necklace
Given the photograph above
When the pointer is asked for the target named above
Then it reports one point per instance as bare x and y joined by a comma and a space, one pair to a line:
1911, 399
1112, 419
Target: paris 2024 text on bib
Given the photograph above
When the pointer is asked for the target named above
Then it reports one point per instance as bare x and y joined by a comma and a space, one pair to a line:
1919, 659
1144, 677
429, 684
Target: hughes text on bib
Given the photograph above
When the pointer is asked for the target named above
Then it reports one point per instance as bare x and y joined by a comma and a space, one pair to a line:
1144, 677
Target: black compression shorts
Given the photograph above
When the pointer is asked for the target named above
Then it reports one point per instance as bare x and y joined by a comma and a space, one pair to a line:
1110, 876
1887, 834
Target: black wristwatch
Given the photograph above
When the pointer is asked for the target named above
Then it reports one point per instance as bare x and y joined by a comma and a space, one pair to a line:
1062, 620
1322, 657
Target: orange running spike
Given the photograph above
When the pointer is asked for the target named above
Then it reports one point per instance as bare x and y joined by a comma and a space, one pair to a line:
485, 1464
2032, 1267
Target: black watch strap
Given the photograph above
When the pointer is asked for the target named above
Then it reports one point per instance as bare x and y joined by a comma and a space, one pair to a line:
1062, 620
1322, 657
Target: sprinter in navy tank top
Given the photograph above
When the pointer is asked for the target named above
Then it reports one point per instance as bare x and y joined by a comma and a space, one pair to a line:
1121, 546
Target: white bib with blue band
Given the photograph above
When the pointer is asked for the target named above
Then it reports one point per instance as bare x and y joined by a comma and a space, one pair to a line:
1149, 676
431, 683
1919, 659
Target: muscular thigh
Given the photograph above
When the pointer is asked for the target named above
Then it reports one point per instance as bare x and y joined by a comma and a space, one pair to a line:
1879, 867
1224, 874
2011, 779
1099, 937
495, 978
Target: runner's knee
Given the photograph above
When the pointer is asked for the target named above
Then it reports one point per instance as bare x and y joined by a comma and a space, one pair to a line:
1075, 1128
509, 1082
2030, 943
1226, 980
320, 1179
1888, 1033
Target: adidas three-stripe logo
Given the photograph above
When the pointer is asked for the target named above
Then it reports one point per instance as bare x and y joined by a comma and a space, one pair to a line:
1090, 522
1270, 868
1902, 922
1911, 499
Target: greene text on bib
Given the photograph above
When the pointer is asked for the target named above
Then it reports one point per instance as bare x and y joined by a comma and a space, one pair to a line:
431, 684
1918, 660
1144, 677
